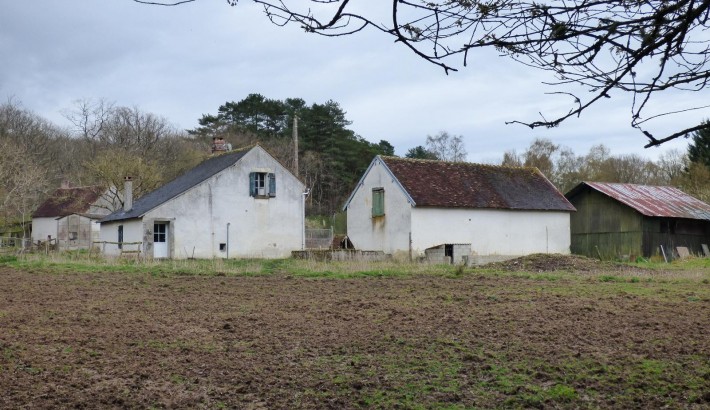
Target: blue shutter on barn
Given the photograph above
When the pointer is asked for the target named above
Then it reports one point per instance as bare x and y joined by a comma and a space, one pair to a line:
272, 184
252, 184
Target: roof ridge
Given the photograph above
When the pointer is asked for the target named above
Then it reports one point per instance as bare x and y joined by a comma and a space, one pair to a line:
463, 163
632, 184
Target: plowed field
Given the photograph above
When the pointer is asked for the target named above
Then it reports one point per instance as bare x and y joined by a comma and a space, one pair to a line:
480, 340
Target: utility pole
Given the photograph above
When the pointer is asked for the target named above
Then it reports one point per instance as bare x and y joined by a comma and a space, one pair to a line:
295, 145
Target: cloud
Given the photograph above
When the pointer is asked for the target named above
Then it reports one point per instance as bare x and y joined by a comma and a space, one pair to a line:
182, 62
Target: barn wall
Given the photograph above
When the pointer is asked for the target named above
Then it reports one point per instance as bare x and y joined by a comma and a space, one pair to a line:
388, 233
493, 234
672, 233
86, 230
602, 227
42, 227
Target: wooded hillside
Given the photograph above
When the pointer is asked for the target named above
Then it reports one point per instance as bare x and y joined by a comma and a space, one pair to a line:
105, 142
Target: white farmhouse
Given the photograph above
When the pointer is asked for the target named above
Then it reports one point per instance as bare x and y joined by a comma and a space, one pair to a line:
239, 204
70, 217
456, 211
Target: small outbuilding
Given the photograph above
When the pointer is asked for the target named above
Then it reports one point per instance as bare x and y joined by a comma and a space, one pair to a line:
70, 217
616, 220
456, 211
242, 203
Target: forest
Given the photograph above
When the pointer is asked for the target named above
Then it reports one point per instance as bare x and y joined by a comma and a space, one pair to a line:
106, 142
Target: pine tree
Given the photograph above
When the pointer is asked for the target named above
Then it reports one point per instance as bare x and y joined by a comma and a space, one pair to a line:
699, 149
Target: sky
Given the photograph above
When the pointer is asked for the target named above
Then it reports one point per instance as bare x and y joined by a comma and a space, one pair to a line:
185, 61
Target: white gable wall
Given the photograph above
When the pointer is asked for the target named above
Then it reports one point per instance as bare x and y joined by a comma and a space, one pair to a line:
389, 233
493, 234
200, 219
42, 227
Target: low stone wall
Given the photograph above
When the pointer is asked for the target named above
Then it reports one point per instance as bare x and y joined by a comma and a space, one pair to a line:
484, 259
340, 255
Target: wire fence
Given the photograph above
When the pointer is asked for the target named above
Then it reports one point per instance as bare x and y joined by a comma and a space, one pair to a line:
319, 238
9, 244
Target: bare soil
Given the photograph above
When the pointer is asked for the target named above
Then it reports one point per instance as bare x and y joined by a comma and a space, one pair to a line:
551, 263
476, 341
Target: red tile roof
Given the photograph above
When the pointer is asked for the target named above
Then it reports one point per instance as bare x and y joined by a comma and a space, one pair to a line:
466, 185
67, 201
657, 201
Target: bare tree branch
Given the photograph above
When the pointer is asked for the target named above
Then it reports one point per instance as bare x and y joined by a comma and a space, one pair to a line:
639, 47
160, 3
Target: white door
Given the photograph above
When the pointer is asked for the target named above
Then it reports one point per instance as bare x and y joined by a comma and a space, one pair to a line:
160, 240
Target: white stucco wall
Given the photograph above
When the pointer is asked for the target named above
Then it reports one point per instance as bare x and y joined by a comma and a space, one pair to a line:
497, 234
198, 218
132, 232
41, 227
388, 233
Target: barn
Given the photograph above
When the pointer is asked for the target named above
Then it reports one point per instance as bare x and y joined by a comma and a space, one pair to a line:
456, 211
615, 220
70, 216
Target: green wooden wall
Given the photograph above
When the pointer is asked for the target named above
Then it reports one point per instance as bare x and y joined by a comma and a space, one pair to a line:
604, 228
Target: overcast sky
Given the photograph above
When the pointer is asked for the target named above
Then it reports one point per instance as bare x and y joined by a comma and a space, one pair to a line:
182, 62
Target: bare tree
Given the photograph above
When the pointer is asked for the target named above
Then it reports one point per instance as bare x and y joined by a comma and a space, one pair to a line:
671, 166
24, 182
511, 159
565, 169
110, 167
639, 47
89, 117
540, 155
446, 147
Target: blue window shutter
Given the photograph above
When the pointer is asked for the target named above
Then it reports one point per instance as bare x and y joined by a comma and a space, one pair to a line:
252, 184
272, 184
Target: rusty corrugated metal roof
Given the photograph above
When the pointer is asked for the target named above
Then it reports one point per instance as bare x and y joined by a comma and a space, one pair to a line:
67, 201
466, 185
658, 201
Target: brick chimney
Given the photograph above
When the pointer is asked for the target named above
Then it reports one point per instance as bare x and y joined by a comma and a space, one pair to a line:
128, 194
219, 145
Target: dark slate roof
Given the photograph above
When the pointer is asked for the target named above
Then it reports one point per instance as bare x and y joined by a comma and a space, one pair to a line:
656, 201
466, 185
177, 186
67, 201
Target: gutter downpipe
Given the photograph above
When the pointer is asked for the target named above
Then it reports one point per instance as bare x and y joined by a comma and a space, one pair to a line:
228, 223
303, 225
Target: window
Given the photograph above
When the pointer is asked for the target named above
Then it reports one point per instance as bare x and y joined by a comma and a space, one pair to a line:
378, 202
120, 236
262, 184
159, 232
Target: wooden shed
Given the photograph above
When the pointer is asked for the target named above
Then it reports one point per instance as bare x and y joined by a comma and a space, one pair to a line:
625, 220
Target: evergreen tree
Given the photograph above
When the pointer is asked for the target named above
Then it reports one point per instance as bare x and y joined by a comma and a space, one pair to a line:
323, 135
699, 148
420, 152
